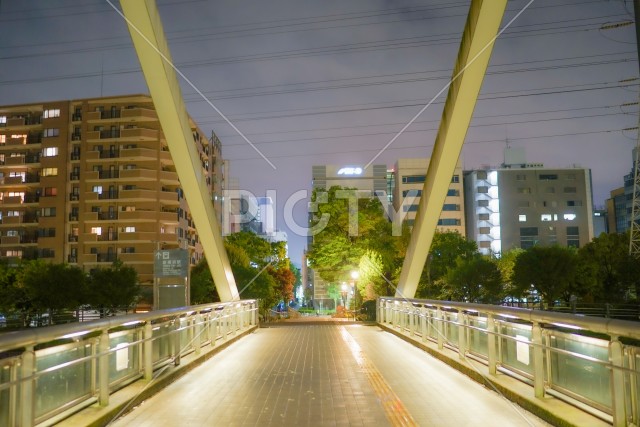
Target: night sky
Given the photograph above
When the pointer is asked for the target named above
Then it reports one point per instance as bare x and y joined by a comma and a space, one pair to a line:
331, 82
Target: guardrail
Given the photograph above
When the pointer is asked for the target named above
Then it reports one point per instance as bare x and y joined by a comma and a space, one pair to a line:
593, 363
47, 374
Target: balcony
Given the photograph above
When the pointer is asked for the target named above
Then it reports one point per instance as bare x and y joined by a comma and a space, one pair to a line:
110, 174
107, 237
72, 238
76, 136
107, 216
140, 154
139, 114
139, 174
109, 195
138, 236
21, 122
74, 197
77, 117
138, 195
73, 217
95, 116
74, 176
139, 134
168, 177
75, 155
71, 259
106, 257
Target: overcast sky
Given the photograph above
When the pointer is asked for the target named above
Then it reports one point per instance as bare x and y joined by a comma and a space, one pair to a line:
332, 81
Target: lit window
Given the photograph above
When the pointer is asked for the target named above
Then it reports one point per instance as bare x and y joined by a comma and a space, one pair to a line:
97, 189
49, 171
21, 136
569, 217
524, 190
14, 252
3, 139
13, 213
50, 132
3, 120
48, 114
522, 218
129, 229
545, 217
50, 152
48, 212
96, 230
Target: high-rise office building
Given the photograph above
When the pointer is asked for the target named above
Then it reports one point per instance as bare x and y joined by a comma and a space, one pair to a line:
619, 206
520, 205
90, 181
409, 178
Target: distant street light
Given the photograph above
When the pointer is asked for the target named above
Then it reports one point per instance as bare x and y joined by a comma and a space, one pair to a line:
355, 274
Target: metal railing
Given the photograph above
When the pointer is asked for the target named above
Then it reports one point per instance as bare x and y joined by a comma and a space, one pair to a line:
591, 362
47, 374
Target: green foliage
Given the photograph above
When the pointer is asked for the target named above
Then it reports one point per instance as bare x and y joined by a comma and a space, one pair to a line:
203, 290
505, 264
474, 279
550, 270
257, 250
607, 271
52, 286
446, 248
354, 233
113, 287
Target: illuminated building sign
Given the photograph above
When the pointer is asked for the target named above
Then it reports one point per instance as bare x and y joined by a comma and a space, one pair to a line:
350, 171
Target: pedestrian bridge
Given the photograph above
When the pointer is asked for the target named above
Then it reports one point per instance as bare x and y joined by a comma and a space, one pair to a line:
422, 363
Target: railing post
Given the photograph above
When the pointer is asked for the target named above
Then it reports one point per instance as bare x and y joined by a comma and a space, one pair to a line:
27, 387
197, 341
389, 312
379, 313
462, 331
491, 345
616, 357
440, 328
423, 323
147, 351
538, 360
103, 368
412, 320
176, 341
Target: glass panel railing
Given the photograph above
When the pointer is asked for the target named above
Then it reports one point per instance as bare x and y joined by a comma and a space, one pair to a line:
478, 341
62, 382
515, 349
581, 376
6, 416
161, 344
124, 356
451, 327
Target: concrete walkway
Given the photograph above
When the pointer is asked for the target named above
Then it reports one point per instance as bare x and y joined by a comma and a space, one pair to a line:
311, 374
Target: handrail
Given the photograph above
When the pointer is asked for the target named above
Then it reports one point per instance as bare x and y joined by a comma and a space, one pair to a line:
51, 372
589, 360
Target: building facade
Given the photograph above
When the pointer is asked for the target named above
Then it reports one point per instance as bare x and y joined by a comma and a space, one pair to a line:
520, 206
90, 181
409, 179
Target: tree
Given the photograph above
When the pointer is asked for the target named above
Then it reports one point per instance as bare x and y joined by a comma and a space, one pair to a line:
505, 264
446, 247
285, 280
475, 279
352, 225
52, 286
549, 270
203, 290
257, 249
113, 288
606, 268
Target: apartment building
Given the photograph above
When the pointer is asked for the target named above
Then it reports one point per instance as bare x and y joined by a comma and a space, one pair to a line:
91, 181
520, 205
410, 175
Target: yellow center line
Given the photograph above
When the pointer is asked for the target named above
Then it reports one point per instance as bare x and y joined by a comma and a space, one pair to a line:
394, 409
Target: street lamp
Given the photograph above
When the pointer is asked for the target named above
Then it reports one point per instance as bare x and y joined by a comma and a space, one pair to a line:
344, 297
